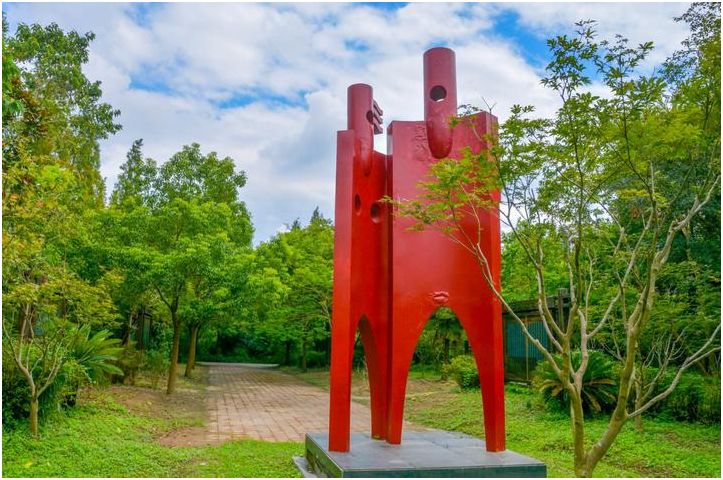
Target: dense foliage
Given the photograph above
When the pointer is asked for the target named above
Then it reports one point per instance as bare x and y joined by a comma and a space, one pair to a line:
94, 290
618, 196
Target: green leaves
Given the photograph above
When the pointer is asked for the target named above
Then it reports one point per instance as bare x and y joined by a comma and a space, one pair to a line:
599, 383
96, 353
295, 278
53, 108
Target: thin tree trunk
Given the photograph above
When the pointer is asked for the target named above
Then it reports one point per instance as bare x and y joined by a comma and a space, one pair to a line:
303, 356
191, 361
129, 328
638, 422
601, 447
139, 328
34, 407
24, 322
287, 352
173, 368
578, 432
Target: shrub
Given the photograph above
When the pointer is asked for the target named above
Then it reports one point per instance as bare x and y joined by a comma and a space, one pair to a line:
129, 362
156, 364
463, 370
96, 354
90, 360
316, 359
599, 384
696, 399
15, 393
86, 360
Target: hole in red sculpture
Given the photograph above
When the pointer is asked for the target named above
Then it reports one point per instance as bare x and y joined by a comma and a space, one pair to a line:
357, 203
370, 117
438, 93
376, 213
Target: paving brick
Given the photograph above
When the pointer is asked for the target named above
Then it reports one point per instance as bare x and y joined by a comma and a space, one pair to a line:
248, 401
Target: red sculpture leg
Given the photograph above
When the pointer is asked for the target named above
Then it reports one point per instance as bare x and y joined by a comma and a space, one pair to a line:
375, 356
405, 336
484, 336
342, 332
360, 273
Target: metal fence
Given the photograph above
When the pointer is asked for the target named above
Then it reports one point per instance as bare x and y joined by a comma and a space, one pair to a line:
521, 357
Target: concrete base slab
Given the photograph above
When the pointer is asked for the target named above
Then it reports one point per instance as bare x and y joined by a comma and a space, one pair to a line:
304, 467
431, 453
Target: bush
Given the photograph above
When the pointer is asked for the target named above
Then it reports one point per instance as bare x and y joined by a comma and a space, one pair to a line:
463, 370
599, 384
15, 393
316, 359
129, 361
156, 363
87, 360
696, 399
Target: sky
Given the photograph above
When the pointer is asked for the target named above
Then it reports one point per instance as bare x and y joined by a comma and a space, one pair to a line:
265, 84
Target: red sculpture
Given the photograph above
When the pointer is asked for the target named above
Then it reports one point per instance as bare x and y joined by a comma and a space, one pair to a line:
388, 279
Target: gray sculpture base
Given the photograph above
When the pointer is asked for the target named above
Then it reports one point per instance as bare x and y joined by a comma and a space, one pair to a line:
431, 453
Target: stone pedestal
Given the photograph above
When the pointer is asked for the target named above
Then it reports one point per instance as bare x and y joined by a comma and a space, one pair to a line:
431, 453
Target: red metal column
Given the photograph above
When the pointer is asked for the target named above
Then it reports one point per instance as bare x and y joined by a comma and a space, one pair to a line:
360, 274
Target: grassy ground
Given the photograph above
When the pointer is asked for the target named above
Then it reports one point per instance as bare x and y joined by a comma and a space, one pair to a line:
663, 449
121, 432
129, 432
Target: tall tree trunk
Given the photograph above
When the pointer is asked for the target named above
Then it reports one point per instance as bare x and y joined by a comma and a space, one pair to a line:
191, 361
303, 356
25, 329
34, 406
139, 328
129, 328
173, 368
287, 352
446, 350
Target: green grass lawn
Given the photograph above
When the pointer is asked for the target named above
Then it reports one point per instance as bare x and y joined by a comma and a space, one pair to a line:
102, 438
663, 449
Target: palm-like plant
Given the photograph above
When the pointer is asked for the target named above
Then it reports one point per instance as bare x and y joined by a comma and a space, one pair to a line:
96, 353
599, 390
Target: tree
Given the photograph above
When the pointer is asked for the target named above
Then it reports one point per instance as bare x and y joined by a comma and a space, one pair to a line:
55, 109
303, 259
613, 181
448, 330
176, 227
52, 121
214, 297
52, 315
135, 183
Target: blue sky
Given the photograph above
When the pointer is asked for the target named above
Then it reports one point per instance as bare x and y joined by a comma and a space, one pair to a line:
266, 83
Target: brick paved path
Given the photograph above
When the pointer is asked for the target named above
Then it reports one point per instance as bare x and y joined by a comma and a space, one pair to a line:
252, 401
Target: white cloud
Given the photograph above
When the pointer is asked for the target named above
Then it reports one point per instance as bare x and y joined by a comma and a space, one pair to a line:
291, 65
639, 22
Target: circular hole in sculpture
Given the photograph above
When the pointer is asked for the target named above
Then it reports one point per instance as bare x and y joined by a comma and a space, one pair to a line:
370, 117
438, 93
357, 203
376, 213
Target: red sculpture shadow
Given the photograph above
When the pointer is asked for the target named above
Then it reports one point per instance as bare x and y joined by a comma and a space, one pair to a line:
388, 279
